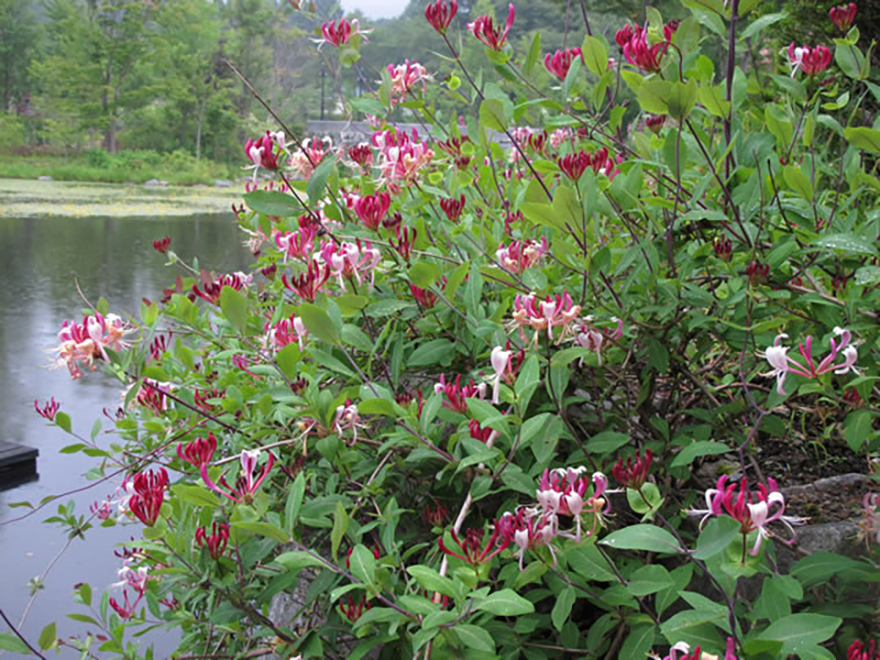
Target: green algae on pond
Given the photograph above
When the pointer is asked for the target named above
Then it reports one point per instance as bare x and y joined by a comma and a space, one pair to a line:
22, 198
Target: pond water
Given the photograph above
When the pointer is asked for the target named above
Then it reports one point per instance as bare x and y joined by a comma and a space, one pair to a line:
43, 256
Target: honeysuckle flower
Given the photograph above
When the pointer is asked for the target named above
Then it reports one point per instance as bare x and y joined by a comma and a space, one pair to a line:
215, 541
452, 146
811, 61
403, 78
246, 485
371, 209
670, 28
638, 52
440, 14
858, 651
425, 298
843, 16
456, 395
306, 159
528, 528
158, 346
782, 364
211, 290
361, 155
499, 359
520, 255
296, 244
633, 474
587, 336
626, 34
683, 648
472, 550
453, 207
241, 361
202, 398
753, 510
152, 393
308, 284
264, 152
870, 526
137, 581
287, 331
406, 397
563, 492
560, 62
484, 29
161, 245
435, 514
339, 33
559, 137
199, 451
103, 509
477, 432
403, 158
49, 409
83, 343
655, 123
347, 419
540, 315
149, 493
350, 261
406, 239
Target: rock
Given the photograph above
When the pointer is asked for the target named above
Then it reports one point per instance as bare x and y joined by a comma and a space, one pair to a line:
45, 178
222, 183
156, 182
199, 185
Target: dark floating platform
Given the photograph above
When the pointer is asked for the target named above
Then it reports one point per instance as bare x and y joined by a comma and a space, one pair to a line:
18, 464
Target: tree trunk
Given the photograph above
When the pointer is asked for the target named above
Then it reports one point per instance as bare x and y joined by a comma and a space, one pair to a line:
201, 113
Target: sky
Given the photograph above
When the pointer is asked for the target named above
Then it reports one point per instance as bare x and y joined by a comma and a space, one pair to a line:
376, 8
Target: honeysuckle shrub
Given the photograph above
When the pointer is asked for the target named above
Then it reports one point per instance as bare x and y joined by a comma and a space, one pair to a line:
456, 407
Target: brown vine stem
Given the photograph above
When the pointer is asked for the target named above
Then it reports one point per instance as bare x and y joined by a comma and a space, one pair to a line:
20, 636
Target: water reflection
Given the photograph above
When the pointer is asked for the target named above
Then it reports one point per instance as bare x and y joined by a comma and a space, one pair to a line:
43, 259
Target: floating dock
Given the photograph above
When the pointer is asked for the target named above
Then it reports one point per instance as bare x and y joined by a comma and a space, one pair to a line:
18, 464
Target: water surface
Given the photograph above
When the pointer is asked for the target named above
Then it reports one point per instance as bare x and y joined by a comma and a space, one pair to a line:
42, 258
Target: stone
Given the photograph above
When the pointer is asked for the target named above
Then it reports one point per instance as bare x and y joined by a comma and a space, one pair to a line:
222, 183
45, 178
156, 182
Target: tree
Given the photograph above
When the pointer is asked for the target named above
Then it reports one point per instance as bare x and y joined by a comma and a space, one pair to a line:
18, 44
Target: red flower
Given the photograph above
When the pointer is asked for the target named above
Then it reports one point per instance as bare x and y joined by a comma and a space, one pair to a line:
633, 474
161, 244
199, 451
723, 249
757, 272
471, 546
216, 542
371, 209
560, 62
440, 15
452, 207
424, 297
634, 43
843, 16
308, 284
149, 493
811, 61
858, 651
210, 290
655, 123
436, 514
261, 152
49, 409
334, 34
456, 395
479, 433
484, 29
574, 165
361, 154
406, 239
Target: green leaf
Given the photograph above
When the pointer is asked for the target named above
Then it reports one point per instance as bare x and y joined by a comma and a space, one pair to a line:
562, 608
47, 637
696, 449
294, 503
474, 638
431, 352
492, 115
658, 356
319, 323
859, 427
380, 407
716, 536
606, 442
506, 603
867, 139
363, 565
62, 420
262, 529
799, 631
587, 561
432, 580
639, 642
681, 98
649, 580
9, 642
820, 567
798, 182
340, 526
595, 55
850, 60
234, 307
274, 203
195, 495
642, 537
846, 243
867, 275
318, 180
764, 21
713, 99
287, 360
297, 560
424, 274
652, 95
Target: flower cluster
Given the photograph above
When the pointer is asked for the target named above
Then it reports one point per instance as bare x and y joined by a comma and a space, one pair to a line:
574, 165
198, 452
297, 244
457, 395
308, 284
440, 15
148, 494
287, 331
484, 29
404, 77
560, 62
83, 343
49, 409
633, 474
843, 16
264, 152
520, 255
210, 290
349, 261
402, 156
310, 154
544, 315
587, 336
246, 485
811, 61
137, 580
633, 41
215, 541
372, 209
858, 651
782, 364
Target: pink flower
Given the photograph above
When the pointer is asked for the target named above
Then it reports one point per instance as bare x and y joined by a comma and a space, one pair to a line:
591, 338
350, 261
478, 432
347, 419
563, 492
559, 137
753, 510
500, 360
371, 209
811, 61
338, 34
405, 243
453, 207
633, 474
782, 364
529, 529
82, 344
655, 123
149, 493
843, 16
637, 51
858, 651
49, 409
305, 160
560, 62
440, 15
870, 526
402, 157
216, 541
246, 485
199, 451
456, 395
484, 29
296, 244
264, 151
161, 245
361, 154
555, 311
287, 331
472, 550
308, 284
404, 77
211, 290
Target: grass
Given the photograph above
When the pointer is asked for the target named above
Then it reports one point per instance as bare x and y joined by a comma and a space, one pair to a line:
177, 169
